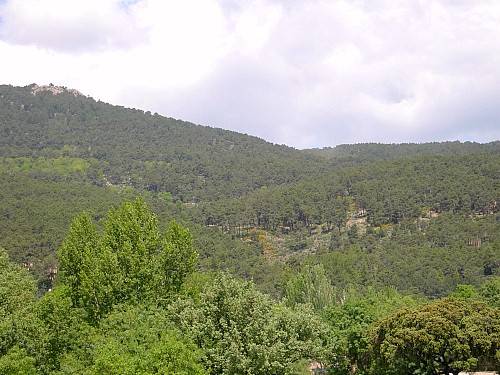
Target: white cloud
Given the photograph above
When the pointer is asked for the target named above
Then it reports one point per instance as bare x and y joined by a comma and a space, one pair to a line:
306, 73
103, 47
68, 26
186, 39
252, 26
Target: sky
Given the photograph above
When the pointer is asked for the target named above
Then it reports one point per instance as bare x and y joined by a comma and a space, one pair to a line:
305, 73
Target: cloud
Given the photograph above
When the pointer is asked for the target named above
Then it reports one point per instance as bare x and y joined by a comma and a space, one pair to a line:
305, 73
69, 26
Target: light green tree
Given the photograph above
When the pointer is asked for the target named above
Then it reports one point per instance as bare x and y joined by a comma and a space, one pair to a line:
490, 291
130, 262
310, 286
65, 328
350, 320
136, 340
242, 331
22, 342
17, 362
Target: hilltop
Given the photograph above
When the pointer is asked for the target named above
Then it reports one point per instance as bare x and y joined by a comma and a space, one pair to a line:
54, 90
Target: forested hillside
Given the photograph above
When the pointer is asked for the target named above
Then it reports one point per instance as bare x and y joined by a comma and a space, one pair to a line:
382, 192
441, 212
228, 254
106, 144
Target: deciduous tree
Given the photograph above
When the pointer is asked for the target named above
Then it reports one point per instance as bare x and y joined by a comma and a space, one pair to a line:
446, 336
131, 262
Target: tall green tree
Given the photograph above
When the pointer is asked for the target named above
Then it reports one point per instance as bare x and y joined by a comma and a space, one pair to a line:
130, 262
311, 286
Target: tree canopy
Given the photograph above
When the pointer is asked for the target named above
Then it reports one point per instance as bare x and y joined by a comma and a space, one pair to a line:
130, 262
446, 336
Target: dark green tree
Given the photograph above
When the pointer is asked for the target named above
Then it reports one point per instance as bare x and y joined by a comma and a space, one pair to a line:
445, 336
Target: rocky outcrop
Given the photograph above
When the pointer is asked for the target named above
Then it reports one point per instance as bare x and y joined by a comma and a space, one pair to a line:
53, 89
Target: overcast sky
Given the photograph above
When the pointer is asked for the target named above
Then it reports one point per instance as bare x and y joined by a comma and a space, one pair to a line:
306, 73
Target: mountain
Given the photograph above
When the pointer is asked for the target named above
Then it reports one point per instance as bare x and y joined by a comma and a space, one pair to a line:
62, 152
130, 147
258, 210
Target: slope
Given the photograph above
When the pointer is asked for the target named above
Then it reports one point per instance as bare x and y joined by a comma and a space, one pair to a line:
147, 151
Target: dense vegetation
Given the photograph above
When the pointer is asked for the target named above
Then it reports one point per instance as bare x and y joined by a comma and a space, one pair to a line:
175, 248
127, 301
114, 145
379, 151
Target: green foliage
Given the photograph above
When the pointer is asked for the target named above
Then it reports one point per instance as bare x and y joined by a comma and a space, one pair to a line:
137, 340
17, 362
131, 262
56, 150
465, 292
23, 345
36, 213
446, 336
17, 298
379, 151
243, 332
65, 329
422, 218
78, 260
149, 152
17, 290
178, 259
310, 286
428, 256
165, 196
382, 193
350, 321
48, 167
490, 291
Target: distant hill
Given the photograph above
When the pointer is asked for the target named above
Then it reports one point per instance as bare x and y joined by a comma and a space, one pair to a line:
379, 151
341, 239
